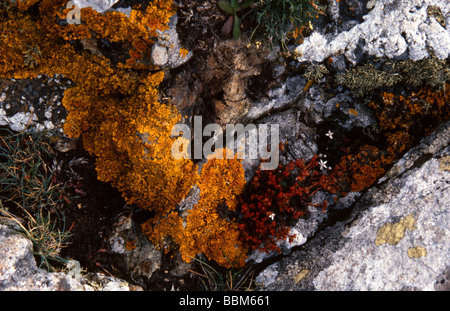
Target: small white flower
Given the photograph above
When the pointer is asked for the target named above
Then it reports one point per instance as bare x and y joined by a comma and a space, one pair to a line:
272, 216
322, 164
330, 134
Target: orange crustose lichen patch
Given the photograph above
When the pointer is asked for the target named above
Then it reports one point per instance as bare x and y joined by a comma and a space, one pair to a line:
207, 230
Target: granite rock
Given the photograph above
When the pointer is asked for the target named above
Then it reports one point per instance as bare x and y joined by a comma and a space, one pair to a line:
395, 236
392, 29
19, 271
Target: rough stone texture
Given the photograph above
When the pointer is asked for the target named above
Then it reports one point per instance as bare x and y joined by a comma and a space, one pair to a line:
33, 103
18, 270
395, 238
392, 29
98, 5
318, 106
141, 258
278, 99
166, 50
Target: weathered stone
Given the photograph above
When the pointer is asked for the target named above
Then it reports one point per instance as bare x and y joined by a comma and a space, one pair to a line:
167, 52
33, 104
18, 270
141, 259
392, 29
98, 5
395, 238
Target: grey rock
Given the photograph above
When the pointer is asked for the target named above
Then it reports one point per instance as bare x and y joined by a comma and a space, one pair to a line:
443, 281
34, 104
318, 106
278, 99
391, 29
140, 257
396, 236
166, 50
19, 272
98, 5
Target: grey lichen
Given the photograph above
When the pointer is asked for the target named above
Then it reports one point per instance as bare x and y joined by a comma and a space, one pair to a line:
31, 55
366, 78
432, 72
315, 72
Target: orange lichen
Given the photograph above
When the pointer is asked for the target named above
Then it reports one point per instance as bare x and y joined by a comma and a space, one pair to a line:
116, 111
183, 52
400, 119
130, 245
136, 31
360, 171
208, 229
402, 113
353, 112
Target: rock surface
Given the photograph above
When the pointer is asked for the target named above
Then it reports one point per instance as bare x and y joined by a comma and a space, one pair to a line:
394, 236
140, 257
34, 104
19, 272
397, 236
168, 52
98, 5
392, 29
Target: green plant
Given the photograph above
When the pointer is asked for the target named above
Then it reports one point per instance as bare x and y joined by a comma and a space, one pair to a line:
221, 279
27, 179
30, 195
47, 236
232, 8
280, 18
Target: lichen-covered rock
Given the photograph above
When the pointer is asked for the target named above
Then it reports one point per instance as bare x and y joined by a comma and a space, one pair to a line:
168, 51
401, 243
395, 238
33, 104
392, 29
18, 270
141, 258
98, 5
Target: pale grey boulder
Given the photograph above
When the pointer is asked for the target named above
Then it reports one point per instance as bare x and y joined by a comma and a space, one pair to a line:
19, 271
392, 29
98, 5
396, 237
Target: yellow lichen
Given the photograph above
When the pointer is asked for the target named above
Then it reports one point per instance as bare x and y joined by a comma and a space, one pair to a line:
393, 233
300, 276
417, 252
444, 163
